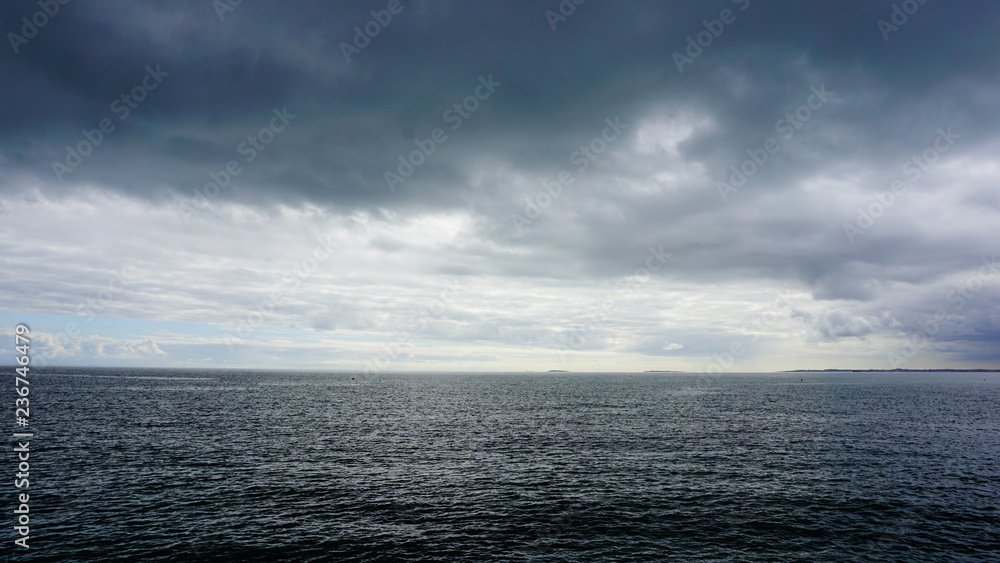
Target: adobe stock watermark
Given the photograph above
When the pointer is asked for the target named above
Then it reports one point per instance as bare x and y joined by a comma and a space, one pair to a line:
291, 280
223, 7
786, 127
696, 44
566, 9
250, 149
724, 361
456, 116
363, 35
31, 26
376, 363
913, 170
892, 535
899, 16
957, 297
122, 107
599, 317
90, 308
583, 158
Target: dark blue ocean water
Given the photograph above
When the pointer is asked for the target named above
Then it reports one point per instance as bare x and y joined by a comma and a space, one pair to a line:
155, 465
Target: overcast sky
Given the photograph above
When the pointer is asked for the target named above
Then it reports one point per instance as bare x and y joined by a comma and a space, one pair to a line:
724, 185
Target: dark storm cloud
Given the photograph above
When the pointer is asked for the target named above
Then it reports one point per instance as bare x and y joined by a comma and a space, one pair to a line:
604, 60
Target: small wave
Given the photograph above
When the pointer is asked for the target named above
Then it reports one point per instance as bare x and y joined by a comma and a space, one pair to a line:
161, 378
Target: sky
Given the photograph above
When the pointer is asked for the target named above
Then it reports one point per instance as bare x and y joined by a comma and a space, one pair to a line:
711, 186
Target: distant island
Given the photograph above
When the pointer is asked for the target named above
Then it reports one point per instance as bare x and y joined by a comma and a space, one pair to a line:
892, 370
558, 371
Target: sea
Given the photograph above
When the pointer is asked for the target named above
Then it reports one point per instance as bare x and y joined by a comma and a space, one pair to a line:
227, 465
